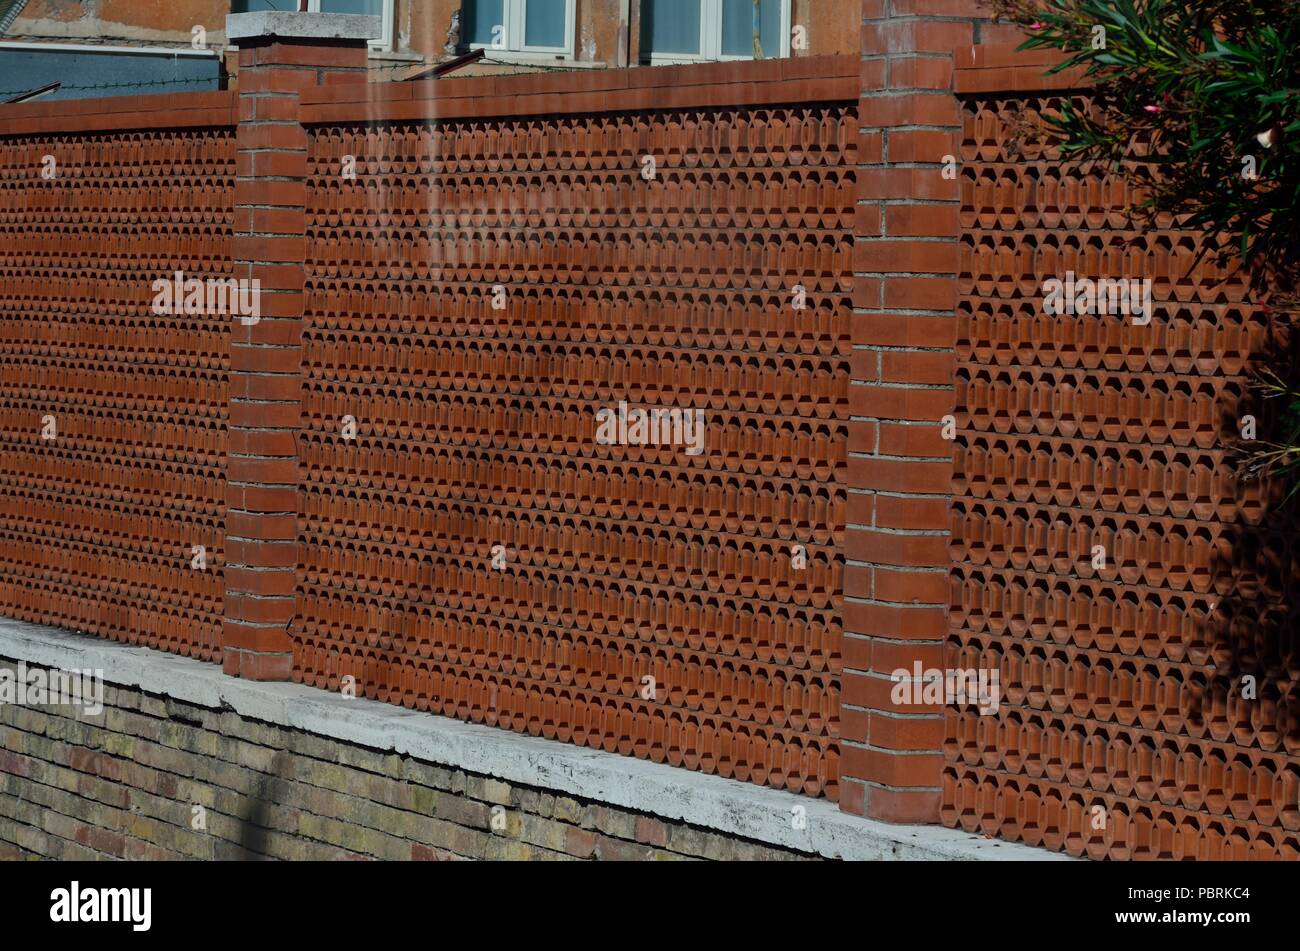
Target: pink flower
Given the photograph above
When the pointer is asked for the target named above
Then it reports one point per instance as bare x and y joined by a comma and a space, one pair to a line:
1037, 25
1152, 108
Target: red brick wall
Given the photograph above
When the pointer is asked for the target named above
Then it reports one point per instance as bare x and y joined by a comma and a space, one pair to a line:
900, 467
1124, 730
475, 427
266, 356
371, 554
112, 417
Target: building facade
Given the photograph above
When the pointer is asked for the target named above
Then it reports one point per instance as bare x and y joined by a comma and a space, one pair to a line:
115, 47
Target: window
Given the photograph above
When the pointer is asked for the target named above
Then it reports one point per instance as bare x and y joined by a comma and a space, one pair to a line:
375, 8
544, 27
685, 31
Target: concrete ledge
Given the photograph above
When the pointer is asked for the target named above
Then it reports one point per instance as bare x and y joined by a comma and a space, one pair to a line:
302, 26
735, 808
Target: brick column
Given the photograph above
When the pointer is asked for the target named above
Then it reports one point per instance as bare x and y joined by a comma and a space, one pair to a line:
279, 55
900, 466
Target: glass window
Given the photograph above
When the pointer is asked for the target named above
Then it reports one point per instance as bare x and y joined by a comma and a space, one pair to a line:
738, 23
544, 23
254, 6
481, 16
671, 26
740, 18
685, 30
373, 8
774, 30
544, 26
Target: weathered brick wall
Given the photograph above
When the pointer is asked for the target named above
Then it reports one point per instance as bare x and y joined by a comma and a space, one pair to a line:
719, 284
112, 417
126, 784
1122, 731
470, 548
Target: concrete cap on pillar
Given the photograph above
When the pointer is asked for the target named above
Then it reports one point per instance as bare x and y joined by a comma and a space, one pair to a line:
301, 26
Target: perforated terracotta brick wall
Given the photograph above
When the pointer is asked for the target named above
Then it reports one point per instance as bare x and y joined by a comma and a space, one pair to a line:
472, 549
1122, 730
461, 276
112, 417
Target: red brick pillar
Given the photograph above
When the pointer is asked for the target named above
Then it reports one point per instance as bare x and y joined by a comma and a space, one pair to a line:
279, 55
900, 466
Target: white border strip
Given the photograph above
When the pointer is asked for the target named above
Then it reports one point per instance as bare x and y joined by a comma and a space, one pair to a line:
97, 48
735, 808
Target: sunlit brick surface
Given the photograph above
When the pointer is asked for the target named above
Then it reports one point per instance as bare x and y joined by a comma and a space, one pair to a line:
1122, 686
98, 525
476, 428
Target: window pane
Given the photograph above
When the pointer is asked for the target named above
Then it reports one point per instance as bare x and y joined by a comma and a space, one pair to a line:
772, 28
372, 8
481, 17
544, 23
738, 27
670, 26
255, 6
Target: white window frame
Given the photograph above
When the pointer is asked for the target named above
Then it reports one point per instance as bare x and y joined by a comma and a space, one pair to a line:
711, 37
514, 13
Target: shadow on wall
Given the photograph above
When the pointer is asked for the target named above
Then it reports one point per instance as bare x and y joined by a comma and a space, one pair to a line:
1254, 647
1134, 594
255, 820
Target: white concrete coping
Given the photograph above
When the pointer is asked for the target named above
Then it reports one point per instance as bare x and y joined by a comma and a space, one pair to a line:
302, 26
726, 805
